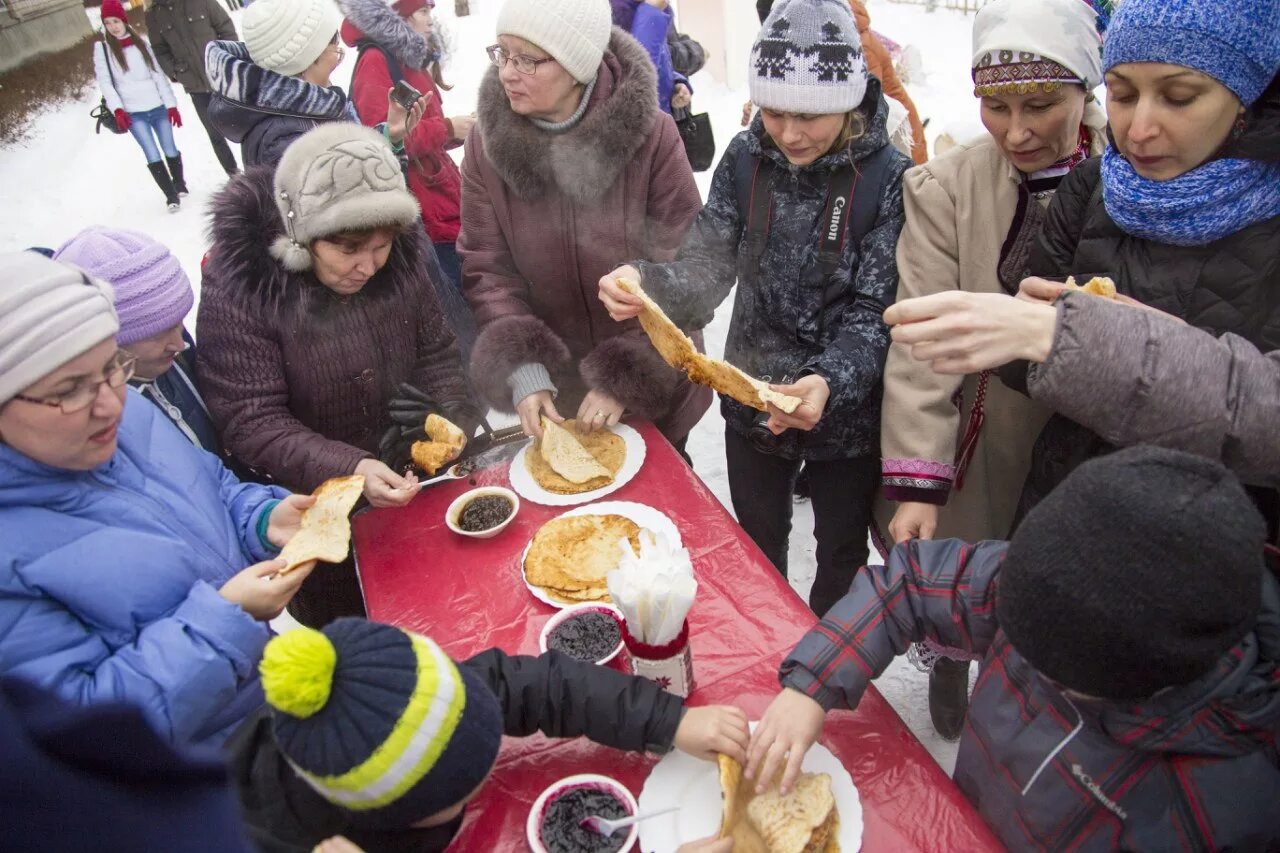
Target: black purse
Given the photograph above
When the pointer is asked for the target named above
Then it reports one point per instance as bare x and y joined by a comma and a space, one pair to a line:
699, 141
101, 114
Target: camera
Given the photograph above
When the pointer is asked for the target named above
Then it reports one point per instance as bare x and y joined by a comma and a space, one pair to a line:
762, 438
405, 95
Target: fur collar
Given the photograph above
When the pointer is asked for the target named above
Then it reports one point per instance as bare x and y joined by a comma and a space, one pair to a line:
377, 22
585, 161
246, 222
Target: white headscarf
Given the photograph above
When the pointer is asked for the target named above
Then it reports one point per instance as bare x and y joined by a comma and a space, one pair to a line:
1059, 30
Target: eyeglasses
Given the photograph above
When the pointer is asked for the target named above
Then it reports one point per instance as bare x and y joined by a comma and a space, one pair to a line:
524, 64
117, 372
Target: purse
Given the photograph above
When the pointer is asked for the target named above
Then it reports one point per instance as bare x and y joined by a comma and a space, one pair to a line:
699, 141
101, 113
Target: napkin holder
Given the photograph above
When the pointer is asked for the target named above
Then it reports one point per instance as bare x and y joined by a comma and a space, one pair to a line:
669, 666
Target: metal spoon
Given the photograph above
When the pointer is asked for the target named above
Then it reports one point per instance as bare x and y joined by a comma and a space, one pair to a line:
606, 827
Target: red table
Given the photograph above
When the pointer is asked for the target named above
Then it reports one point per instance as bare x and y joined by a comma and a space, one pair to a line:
467, 595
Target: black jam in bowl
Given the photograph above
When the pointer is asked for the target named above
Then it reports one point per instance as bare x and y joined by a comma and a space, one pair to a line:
589, 636
484, 512
561, 832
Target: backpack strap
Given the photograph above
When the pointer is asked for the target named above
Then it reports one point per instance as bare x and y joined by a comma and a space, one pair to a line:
393, 67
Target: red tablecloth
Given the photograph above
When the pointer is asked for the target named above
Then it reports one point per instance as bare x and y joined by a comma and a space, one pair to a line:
467, 595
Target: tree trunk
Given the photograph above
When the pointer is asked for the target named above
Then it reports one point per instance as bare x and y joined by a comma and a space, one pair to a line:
461, 8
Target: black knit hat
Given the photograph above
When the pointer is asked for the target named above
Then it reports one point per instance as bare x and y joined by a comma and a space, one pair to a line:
1137, 573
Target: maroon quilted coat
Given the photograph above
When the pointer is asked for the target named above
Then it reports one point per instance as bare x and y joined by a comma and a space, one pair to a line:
297, 378
545, 216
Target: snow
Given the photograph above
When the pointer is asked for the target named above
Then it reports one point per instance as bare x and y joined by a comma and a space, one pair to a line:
62, 178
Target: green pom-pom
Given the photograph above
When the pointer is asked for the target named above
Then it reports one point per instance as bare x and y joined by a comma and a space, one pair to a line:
297, 671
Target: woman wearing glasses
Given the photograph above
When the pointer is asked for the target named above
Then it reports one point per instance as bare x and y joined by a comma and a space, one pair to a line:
125, 546
274, 86
571, 171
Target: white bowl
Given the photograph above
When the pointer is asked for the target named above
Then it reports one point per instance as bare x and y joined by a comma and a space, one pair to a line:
533, 826
455, 510
569, 612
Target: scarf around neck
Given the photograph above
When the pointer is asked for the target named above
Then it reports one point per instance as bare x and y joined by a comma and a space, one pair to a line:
1212, 201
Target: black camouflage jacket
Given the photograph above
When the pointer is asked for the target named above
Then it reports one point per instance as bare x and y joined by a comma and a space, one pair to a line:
772, 299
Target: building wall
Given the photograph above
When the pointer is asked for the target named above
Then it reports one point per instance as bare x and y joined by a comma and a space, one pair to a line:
726, 28
29, 27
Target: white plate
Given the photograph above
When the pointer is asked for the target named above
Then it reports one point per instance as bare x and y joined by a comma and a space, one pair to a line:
694, 785
645, 516
527, 487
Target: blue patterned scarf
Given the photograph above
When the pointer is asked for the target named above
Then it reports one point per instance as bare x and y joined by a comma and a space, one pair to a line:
1210, 202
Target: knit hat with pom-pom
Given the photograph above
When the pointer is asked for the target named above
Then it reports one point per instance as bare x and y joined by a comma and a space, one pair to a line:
335, 178
380, 721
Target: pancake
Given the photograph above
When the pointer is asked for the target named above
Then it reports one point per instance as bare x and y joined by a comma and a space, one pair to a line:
804, 821
607, 448
571, 557
445, 445
325, 531
1096, 286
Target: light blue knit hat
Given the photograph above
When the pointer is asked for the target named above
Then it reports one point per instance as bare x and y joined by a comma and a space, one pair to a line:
1236, 42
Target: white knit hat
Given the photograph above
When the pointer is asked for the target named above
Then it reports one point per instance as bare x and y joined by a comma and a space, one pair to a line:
286, 36
50, 313
808, 59
574, 32
339, 177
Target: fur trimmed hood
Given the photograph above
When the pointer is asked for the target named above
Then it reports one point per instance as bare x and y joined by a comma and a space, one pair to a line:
246, 223
586, 160
375, 21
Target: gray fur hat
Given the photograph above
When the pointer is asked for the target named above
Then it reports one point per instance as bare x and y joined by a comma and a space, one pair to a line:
338, 177
808, 59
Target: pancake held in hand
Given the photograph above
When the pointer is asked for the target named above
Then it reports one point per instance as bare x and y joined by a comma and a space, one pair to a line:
804, 821
570, 557
325, 533
678, 351
445, 445
606, 449
1097, 286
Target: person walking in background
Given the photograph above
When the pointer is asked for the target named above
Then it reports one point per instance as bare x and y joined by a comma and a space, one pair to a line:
649, 21
398, 42
804, 215
276, 86
571, 170
317, 304
956, 449
139, 96
152, 298
179, 31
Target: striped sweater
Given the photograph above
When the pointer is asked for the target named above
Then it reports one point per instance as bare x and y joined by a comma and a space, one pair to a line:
1194, 768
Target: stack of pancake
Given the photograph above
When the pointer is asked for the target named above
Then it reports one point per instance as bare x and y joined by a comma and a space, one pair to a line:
566, 462
571, 556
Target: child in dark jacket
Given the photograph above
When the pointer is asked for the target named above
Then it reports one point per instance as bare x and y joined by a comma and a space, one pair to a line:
1129, 696
332, 754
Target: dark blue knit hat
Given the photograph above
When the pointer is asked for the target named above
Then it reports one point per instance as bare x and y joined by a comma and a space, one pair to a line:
1236, 42
380, 721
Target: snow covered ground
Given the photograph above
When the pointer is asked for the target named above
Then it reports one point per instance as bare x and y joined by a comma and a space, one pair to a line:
63, 178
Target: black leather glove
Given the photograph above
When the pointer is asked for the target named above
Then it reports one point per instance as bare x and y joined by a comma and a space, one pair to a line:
408, 411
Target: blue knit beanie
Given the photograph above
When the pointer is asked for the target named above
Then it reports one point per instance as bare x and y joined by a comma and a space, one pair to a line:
380, 721
1236, 42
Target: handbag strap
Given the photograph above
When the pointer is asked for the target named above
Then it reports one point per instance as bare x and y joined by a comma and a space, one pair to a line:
107, 56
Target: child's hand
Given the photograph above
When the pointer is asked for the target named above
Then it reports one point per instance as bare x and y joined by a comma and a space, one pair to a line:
714, 729
707, 845
813, 392
787, 730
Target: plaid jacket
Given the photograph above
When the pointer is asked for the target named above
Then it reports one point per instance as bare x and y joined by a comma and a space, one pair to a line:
1193, 768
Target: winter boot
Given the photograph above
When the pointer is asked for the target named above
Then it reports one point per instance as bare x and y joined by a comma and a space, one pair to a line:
161, 174
948, 696
175, 170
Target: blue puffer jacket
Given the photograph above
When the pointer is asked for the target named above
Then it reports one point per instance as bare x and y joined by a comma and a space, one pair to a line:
109, 579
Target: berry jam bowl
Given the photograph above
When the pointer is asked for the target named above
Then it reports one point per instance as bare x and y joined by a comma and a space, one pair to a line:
553, 824
585, 632
480, 513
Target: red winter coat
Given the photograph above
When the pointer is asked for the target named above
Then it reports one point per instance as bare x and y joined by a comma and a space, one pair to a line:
433, 176
546, 215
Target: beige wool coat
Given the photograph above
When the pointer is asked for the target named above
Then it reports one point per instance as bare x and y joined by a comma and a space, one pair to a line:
959, 209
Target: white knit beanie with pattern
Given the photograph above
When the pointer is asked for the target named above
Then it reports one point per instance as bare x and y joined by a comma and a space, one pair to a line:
808, 59
575, 32
286, 36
